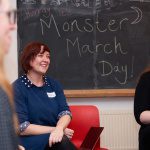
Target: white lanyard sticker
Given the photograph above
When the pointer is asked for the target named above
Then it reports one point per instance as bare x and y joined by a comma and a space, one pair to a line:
51, 94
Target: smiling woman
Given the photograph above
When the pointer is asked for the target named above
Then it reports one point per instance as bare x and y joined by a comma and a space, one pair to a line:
40, 103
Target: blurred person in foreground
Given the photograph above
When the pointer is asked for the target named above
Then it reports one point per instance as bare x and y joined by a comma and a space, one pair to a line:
8, 119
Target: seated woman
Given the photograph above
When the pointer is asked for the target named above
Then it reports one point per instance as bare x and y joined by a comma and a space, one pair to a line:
142, 110
40, 103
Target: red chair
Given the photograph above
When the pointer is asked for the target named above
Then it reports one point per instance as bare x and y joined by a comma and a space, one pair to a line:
83, 118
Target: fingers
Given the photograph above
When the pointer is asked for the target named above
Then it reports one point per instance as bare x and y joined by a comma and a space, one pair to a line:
21, 147
69, 133
69, 136
57, 135
67, 130
55, 138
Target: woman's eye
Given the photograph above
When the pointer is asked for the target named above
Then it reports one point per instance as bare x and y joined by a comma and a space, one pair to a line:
48, 56
40, 55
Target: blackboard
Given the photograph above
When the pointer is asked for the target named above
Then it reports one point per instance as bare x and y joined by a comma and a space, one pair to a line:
96, 45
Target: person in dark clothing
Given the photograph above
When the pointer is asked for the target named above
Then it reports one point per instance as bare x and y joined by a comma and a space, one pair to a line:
142, 110
40, 103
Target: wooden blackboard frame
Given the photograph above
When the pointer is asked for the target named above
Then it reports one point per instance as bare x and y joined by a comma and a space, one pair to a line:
99, 93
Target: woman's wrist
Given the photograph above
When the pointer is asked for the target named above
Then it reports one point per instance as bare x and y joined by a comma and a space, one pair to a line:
52, 129
58, 127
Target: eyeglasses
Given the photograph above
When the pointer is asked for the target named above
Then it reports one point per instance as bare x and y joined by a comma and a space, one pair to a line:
12, 16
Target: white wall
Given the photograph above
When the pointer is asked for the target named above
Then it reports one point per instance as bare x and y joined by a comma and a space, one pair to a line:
105, 103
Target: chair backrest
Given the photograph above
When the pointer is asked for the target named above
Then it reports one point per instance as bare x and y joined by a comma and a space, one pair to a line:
84, 117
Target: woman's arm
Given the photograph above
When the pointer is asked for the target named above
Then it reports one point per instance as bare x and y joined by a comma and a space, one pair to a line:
33, 129
57, 134
63, 122
145, 117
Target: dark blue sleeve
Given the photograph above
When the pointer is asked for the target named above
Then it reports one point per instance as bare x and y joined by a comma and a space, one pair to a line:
61, 100
20, 102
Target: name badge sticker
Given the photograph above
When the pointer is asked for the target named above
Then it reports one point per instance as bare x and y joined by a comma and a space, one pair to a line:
51, 94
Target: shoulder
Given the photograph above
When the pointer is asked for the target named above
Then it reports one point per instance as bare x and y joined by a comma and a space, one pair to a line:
145, 77
19, 86
144, 80
20, 82
17, 82
53, 82
4, 101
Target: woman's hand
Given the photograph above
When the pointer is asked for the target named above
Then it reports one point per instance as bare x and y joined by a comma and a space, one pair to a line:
69, 132
20, 147
56, 136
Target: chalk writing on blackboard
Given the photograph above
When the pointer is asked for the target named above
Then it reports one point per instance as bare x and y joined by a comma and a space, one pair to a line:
139, 0
87, 26
28, 1
74, 3
94, 44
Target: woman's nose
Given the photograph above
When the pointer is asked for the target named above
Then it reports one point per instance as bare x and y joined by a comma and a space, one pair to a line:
46, 59
13, 26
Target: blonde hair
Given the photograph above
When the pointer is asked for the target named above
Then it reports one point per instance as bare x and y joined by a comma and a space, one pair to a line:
3, 81
5, 85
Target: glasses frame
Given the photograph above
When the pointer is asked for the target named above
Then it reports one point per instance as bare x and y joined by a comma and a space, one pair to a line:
12, 15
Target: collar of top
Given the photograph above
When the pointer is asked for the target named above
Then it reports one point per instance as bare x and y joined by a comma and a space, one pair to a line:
28, 83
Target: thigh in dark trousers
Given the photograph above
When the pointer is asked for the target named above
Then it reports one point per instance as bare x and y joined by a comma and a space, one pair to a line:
65, 144
144, 138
